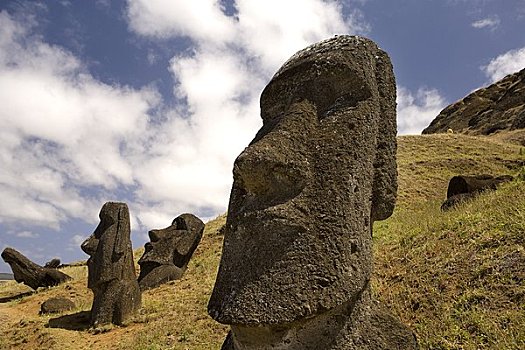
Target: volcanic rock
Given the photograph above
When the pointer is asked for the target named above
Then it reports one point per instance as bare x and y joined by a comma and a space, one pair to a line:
56, 305
166, 257
111, 272
297, 253
500, 106
27, 272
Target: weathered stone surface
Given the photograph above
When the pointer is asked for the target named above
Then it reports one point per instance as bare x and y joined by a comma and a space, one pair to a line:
360, 324
53, 263
500, 106
297, 254
110, 266
166, 257
27, 272
462, 188
56, 305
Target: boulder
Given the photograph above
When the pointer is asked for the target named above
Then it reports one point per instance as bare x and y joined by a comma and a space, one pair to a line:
297, 253
56, 305
167, 254
111, 271
31, 274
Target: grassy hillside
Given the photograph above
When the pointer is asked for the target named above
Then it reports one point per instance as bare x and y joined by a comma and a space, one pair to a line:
456, 278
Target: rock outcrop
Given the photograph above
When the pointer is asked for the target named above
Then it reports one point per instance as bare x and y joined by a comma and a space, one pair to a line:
167, 254
297, 253
111, 272
31, 274
462, 188
500, 106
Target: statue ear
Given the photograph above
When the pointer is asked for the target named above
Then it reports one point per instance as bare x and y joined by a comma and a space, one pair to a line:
119, 247
384, 190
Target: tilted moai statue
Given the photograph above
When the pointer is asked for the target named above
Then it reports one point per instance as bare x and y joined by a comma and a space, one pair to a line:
167, 254
297, 255
31, 274
110, 266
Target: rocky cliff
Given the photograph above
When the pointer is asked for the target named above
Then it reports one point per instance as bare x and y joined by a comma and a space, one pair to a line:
500, 106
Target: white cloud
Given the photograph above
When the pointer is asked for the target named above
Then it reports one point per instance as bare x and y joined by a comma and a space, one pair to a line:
62, 130
197, 19
283, 27
416, 111
510, 62
27, 234
491, 22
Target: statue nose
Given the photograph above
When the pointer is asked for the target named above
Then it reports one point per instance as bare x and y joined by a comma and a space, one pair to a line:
89, 246
269, 176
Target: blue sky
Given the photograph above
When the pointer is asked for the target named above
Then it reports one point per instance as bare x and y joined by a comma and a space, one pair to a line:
150, 101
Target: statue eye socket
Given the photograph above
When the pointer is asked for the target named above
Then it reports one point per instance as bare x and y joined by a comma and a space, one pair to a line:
329, 88
330, 96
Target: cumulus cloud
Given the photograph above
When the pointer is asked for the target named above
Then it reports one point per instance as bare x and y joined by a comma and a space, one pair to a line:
491, 22
197, 19
62, 130
416, 111
507, 63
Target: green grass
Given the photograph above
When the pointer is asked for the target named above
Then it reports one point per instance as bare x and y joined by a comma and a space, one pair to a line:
426, 163
457, 278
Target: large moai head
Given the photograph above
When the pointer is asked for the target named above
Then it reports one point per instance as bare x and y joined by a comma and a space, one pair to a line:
309, 186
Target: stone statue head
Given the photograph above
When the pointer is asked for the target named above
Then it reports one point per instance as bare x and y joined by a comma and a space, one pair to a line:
109, 247
171, 246
309, 186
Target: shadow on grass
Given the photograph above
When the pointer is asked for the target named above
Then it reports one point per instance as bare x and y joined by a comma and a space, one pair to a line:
73, 322
14, 297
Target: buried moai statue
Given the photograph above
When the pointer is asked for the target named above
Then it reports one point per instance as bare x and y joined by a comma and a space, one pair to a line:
111, 272
297, 255
31, 274
166, 257
462, 188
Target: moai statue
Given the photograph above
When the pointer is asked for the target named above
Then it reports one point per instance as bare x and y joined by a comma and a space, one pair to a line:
110, 266
166, 257
31, 274
297, 256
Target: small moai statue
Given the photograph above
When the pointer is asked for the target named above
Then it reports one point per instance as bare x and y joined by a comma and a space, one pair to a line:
110, 267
